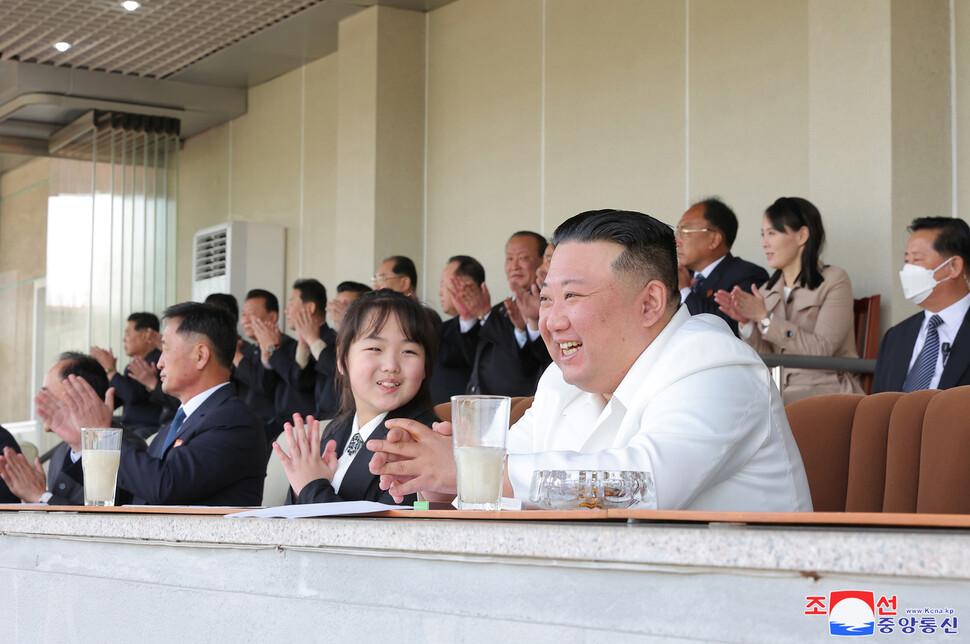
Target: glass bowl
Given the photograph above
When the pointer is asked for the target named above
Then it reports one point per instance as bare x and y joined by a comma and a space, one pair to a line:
592, 489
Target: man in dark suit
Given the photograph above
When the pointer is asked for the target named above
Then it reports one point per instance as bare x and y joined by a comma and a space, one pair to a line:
705, 234
452, 370
141, 414
931, 350
307, 366
259, 386
502, 342
63, 484
214, 452
399, 274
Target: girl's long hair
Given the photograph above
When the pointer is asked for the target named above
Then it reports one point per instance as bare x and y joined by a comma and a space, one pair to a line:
793, 213
367, 315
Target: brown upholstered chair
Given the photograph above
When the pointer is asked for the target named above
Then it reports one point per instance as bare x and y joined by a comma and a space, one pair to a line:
944, 455
888, 452
867, 315
903, 457
516, 410
822, 426
867, 452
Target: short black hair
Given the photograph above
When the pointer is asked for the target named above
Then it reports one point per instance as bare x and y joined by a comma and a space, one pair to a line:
226, 302
650, 249
353, 287
952, 239
85, 367
312, 290
719, 214
211, 321
539, 240
469, 267
270, 301
404, 266
144, 320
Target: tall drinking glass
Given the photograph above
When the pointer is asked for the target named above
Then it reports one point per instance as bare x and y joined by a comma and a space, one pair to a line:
480, 425
100, 457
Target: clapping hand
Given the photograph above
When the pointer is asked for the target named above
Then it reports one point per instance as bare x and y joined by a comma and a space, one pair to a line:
28, 483
144, 372
304, 463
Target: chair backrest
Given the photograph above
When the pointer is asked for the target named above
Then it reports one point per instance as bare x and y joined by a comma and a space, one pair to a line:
888, 452
867, 452
822, 426
516, 409
903, 454
29, 450
867, 315
944, 456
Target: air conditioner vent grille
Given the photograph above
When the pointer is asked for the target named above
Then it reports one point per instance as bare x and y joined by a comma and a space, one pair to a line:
210, 255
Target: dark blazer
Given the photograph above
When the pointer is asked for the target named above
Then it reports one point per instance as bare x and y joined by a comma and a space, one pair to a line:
7, 440
65, 478
311, 389
732, 271
218, 458
141, 414
258, 387
896, 350
499, 365
452, 370
358, 483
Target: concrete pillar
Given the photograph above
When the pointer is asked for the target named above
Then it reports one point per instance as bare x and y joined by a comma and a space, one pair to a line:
380, 140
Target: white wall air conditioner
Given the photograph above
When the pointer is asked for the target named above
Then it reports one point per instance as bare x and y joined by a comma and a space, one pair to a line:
237, 257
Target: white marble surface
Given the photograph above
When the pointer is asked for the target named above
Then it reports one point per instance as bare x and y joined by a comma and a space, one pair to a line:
191, 578
925, 553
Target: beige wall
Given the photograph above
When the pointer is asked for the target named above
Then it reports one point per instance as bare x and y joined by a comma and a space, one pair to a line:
23, 261
276, 164
537, 110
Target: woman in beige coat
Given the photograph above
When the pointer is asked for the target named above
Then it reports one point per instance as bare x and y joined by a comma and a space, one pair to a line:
805, 308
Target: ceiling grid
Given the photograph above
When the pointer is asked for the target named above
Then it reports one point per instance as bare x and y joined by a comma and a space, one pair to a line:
157, 40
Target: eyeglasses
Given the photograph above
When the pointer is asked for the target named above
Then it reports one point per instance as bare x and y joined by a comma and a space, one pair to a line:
682, 232
381, 278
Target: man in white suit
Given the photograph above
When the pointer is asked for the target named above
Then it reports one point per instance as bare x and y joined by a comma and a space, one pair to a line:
637, 384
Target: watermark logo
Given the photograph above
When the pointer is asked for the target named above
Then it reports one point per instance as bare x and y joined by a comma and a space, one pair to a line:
856, 613
852, 612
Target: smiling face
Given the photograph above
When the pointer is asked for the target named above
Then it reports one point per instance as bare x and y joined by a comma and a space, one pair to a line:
783, 248
591, 320
385, 370
521, 261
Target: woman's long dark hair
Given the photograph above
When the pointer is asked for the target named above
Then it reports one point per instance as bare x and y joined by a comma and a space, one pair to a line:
368, 314
792, 213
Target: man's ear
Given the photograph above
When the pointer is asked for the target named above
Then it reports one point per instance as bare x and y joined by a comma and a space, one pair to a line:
274, 317
407, 284
716, 240
311, 307
652, 302
203, 354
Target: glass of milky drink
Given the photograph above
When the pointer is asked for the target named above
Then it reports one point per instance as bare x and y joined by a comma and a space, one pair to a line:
100, 456
480, 425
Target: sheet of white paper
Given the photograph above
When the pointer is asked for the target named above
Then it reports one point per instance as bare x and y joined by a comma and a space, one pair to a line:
338, 508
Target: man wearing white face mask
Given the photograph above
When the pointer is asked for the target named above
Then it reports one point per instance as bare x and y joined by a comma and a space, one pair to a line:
931, 350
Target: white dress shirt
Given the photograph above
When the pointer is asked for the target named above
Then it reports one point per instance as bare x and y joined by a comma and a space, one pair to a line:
345, 460
952, 317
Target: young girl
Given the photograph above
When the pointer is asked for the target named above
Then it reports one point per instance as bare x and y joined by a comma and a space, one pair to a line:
385, 353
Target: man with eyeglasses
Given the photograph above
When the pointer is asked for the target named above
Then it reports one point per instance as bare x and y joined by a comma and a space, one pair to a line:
705, 264
399, 273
